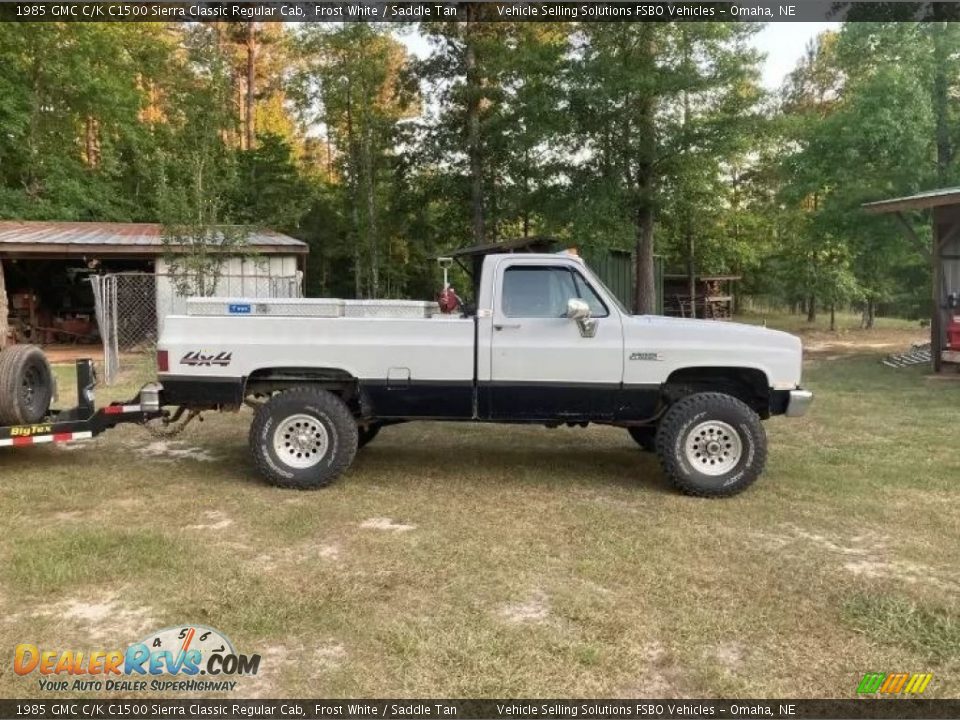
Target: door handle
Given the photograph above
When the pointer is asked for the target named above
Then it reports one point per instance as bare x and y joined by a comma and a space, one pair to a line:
506, 326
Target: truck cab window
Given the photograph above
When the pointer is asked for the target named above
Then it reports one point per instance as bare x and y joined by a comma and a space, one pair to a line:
543, 292
536, 292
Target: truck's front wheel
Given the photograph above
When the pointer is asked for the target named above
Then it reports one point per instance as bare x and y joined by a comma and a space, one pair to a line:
711, 444
303, 438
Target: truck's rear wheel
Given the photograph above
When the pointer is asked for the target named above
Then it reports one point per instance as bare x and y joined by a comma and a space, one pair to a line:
26, 385
303, 438
711, 444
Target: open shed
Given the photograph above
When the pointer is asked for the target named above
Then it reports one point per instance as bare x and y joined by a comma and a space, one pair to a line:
48, 265
945, 258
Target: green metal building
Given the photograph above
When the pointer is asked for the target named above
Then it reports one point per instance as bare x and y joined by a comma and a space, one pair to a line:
615, 267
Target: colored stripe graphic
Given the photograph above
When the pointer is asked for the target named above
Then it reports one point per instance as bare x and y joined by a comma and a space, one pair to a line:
40, 439
918, 683
894, 683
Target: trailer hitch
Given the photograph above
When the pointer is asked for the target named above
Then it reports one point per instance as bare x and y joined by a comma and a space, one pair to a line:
167, 426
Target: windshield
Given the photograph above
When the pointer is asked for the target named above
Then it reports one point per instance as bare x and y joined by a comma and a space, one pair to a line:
610, 293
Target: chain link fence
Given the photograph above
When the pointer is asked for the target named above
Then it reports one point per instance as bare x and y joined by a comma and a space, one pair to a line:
131, 308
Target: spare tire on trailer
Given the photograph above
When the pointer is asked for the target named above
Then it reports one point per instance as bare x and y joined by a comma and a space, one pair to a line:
26, 385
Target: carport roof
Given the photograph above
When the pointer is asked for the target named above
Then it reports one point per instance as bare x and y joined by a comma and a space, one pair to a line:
920, 201
66, 239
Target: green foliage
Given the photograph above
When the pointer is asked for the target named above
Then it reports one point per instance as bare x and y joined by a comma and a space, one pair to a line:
270, 190
860, 116
647, 136
354, 84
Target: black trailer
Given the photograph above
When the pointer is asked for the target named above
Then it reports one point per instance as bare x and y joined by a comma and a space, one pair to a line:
84, 421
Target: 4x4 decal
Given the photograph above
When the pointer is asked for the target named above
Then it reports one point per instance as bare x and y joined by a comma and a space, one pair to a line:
199, 359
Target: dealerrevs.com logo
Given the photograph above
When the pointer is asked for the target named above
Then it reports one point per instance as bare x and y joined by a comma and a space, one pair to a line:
191, 658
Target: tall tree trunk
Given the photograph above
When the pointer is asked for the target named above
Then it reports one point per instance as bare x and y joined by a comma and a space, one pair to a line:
473, 130
812, 308
940, 102
688, 205
691, 269
833, 317
869, 314
353, 169
250, 129
372, 231
92, 142
644, 302
645, 290
4, 326
526, 191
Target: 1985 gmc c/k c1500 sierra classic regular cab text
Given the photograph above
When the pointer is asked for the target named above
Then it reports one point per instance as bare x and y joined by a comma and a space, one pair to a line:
547, 344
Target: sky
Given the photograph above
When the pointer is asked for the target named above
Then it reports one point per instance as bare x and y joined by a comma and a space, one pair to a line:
782, 43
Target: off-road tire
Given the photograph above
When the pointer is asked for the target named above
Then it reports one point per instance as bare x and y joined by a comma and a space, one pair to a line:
26, 385
645, 436
697, 411
326, 414
366, 434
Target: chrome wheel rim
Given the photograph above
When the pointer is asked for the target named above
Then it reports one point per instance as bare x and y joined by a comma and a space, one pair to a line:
713, 448
300, 441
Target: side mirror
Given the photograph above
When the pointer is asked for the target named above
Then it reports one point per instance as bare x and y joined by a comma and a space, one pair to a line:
577, 310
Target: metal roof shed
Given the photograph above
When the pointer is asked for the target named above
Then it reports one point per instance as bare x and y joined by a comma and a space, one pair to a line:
945, 257
42, 239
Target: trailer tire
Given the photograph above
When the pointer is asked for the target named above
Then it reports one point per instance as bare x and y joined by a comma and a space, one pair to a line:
26, 385
303, 438
366, 434
711, 444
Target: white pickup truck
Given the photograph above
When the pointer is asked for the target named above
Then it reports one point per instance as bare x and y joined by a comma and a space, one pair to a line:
547, 344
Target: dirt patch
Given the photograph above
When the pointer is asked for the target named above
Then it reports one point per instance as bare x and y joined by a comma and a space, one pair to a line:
866, 543
329, 552
106, 619
729, 655
850, 342
329, 657
866, 554
279, 661
534, 610
174, 450
849, 346
75, 445
908, 572
126, 503
215, 520
274, 660
303, 552
67, 516
386, 524
662, 677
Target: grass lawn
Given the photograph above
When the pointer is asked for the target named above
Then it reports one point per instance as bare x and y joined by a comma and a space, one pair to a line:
459, 560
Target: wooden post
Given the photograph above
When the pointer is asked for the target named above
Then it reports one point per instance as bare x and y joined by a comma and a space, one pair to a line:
4, 309
936, 335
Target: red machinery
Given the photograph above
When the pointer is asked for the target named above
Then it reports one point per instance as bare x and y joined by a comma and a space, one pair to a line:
953, 323
953, 333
